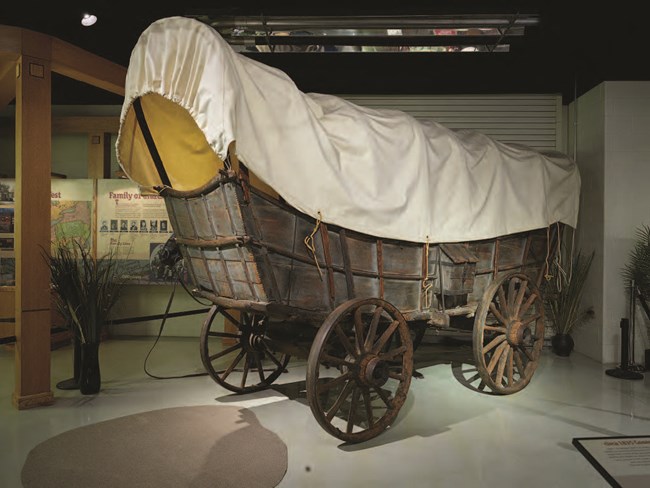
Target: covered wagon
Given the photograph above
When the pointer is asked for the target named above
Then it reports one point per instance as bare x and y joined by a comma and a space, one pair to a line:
339, 233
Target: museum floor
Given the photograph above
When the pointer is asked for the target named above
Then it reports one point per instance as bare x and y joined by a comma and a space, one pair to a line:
447, 434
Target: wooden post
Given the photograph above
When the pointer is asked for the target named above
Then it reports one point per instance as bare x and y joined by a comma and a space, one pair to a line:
32, 226
96, 163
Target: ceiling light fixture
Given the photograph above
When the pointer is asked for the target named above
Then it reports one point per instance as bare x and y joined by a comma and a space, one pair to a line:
88, 19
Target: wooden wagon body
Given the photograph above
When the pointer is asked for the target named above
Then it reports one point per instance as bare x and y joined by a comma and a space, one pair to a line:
246, 250
350, 302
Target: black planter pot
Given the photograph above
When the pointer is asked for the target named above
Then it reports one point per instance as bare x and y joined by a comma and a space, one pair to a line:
73, 383
89, 376
562, 344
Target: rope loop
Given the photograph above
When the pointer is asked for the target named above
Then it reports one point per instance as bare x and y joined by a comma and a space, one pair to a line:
309, 243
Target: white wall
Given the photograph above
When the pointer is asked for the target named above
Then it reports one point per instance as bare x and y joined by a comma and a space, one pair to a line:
70, 155
586, 126
627, 200
144, 300
613, 154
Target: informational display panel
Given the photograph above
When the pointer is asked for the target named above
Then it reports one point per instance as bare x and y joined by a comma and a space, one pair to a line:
72, 212
7, 259
105, 217
623, 461
131, 226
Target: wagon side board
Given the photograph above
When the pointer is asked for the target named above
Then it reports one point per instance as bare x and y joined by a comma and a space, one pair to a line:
243, 246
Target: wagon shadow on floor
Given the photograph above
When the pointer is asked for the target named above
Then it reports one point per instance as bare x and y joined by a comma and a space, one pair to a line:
457, 352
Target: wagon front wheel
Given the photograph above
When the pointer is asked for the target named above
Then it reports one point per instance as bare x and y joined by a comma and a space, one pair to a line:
242, 360
359, 369
508, 333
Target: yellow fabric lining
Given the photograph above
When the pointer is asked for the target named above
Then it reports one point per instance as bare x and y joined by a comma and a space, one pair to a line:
185, 153
188, 159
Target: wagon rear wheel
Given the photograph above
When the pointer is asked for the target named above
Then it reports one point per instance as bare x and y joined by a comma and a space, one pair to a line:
359, 369
244, 360
508, 333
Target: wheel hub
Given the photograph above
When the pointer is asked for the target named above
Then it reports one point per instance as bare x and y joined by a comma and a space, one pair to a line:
253, 336
373, 371
518, 333
255, 342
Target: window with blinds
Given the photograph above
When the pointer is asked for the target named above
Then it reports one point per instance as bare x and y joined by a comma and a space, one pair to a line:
532, 120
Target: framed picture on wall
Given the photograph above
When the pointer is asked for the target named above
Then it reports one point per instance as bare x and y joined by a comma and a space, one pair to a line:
6, 219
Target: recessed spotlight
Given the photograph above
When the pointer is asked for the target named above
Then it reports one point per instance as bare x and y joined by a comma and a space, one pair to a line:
88, 19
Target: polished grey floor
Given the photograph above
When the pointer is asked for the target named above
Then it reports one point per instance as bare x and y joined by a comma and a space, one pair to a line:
448, 434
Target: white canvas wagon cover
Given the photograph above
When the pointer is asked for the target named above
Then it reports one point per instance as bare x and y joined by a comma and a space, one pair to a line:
380, 172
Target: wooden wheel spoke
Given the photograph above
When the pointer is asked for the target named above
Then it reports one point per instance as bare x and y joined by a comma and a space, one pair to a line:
510, 370
502, 365
244, 374
531, 299
228, 335
384, 398
520, 298
494, 328
336, 381
383, 339
493, 343
271, 356
358, 332
496, 356
393, 353
232, 319
528, 320
260, 368
372, 330
512, 284
345, 341
495, 311
225, 352
368, 403
339, 400
520, 364
526, 352
233, 365
353, 411
396, 376
503, 303
326, 358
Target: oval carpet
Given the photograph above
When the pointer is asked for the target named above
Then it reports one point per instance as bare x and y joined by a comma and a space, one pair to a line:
199, 446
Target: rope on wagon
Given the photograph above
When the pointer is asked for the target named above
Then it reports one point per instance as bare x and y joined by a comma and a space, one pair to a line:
426, 284
309, 242
548, 274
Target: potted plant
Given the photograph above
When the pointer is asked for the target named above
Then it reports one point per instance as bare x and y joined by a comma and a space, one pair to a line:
636, 272
562, 300
85, 290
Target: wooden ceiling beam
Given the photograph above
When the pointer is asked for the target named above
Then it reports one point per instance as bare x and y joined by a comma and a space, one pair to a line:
85, 124
81, 65
7, 80
10, 40
66, 59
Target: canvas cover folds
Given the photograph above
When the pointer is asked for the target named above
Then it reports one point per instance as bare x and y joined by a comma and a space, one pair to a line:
379, 172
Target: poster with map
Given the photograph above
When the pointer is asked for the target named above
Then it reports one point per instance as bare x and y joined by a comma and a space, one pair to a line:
133, 227
72, 212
